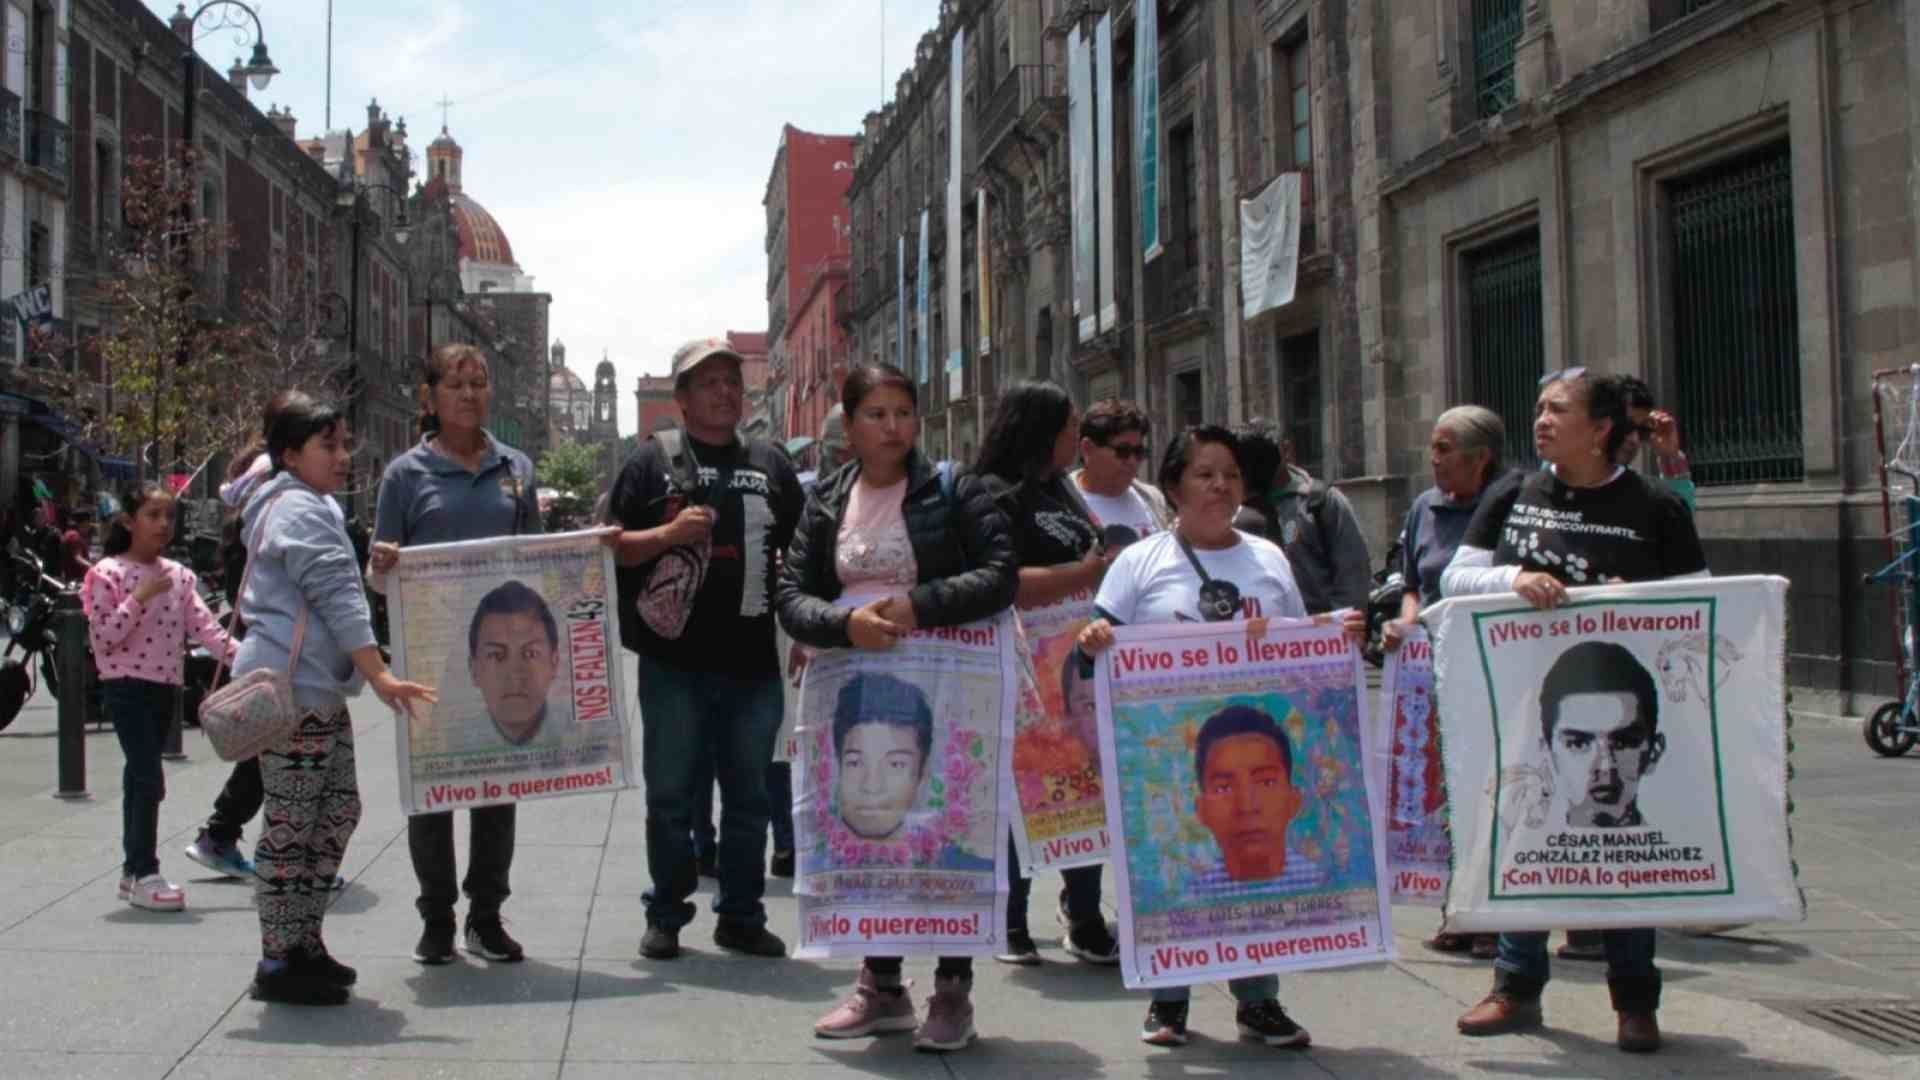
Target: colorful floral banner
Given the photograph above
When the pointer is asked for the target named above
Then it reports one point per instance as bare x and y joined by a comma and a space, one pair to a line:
1056, 746
1419, 853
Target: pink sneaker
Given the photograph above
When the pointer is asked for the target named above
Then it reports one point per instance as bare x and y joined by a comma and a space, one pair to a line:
155, 893
949, 1024
871, 1009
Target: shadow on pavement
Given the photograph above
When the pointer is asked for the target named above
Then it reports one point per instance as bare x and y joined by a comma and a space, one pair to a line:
1071, 980
1681, 1050
462, 985
353, 900
361, 1022
786, 980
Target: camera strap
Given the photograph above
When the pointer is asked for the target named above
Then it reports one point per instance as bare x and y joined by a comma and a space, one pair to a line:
1205, 580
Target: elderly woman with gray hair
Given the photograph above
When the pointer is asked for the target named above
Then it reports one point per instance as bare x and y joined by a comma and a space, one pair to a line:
1465, 452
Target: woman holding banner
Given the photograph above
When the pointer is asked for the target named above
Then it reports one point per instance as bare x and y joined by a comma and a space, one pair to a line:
1582, 521
1465, 454
457, 483
1023, 461
885, 547
1204, 570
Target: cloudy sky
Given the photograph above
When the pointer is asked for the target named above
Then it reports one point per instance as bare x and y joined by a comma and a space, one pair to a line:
624, 147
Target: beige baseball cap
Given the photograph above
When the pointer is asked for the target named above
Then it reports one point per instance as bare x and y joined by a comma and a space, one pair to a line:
697, 352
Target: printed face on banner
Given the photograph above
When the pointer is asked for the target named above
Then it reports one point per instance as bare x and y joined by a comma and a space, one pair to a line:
1602, 763
896, 784
513, 657
1245, 797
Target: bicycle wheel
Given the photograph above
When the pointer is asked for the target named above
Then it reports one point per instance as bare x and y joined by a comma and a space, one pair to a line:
1883, 732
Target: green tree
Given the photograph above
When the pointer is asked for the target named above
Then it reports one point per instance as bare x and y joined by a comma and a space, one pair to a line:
573, 470
171, 362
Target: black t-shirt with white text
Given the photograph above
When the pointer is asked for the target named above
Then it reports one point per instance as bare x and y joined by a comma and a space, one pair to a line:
1049, 525
756, 498
1627, 528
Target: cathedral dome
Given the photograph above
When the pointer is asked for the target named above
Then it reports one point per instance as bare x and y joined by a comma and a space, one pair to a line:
481, 238
564, 381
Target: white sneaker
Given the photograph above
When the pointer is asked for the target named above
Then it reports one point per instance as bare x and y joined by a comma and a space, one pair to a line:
155, 893
126, 886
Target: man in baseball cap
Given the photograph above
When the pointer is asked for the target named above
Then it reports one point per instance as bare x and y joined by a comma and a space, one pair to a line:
705, 515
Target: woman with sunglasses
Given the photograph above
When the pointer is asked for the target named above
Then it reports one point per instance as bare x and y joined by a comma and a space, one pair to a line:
1023, 462
1584, 520
1204, 570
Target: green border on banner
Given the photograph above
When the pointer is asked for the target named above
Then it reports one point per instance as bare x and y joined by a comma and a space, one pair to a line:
1713, 724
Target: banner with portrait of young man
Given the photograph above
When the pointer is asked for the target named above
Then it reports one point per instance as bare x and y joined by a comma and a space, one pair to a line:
1617, 761
1056, 746
518, 635
1242, 800
900, 807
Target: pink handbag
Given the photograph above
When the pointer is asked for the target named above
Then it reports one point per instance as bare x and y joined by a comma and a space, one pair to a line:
255, 711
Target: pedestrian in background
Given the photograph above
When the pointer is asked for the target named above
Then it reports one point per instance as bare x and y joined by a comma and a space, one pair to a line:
303, 587
140, 609
1312, 522
457, 483
887, 546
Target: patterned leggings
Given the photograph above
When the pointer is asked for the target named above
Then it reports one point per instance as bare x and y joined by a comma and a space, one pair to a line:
312, 806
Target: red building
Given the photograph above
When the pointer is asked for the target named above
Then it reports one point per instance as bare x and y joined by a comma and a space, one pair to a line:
816, 352
808, 242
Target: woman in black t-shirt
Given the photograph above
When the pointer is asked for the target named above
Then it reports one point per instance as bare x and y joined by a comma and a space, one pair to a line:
1024, 461
1584, 521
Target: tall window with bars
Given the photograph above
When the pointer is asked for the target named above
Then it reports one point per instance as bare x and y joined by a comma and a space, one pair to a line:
1186, 195
1496, 34
1295, 113
1300, 400
1733, 300
1506, 344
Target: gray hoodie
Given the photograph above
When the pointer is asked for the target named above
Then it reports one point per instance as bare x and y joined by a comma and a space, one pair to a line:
305, 558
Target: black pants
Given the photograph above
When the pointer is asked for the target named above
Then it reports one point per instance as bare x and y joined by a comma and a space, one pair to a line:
489, 859
948, 967
1082, 892
237, 804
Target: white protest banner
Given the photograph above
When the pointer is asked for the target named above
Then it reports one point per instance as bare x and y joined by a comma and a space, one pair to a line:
1056, 747
1240, 801
1618, 761
900, 801
518, 636
1407, 746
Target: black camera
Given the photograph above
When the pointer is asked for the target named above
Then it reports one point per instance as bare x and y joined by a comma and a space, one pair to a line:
1219, 601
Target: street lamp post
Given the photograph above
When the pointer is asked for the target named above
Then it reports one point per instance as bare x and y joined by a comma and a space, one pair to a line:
260, 70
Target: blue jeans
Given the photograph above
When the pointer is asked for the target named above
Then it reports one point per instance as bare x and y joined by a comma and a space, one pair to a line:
1080, 896
1632, 979
779, 808
141, 712
683, 716
1247, 991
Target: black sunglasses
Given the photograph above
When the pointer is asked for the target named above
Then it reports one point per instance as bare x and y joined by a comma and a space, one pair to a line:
1128, 451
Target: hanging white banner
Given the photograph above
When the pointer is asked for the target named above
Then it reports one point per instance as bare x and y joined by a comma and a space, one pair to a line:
1270, 246
1080, 165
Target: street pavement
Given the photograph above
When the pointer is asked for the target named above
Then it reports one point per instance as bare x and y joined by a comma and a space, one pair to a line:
96, 988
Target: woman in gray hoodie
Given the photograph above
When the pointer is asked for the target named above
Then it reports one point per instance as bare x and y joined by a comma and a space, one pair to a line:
303, 585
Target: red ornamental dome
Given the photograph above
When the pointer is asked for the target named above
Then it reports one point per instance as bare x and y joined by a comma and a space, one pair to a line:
481, 238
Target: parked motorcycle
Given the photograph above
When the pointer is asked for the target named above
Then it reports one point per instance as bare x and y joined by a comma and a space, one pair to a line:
35, 635
1383, 604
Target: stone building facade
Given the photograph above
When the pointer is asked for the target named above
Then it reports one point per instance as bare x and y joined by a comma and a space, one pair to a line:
1715, 195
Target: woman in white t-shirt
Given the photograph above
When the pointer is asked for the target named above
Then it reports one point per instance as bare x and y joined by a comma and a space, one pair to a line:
1203, 570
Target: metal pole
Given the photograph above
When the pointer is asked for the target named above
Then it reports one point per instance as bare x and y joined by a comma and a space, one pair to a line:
70, 628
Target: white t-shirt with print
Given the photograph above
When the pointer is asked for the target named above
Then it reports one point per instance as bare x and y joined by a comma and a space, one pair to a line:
1127, 509
1154, 582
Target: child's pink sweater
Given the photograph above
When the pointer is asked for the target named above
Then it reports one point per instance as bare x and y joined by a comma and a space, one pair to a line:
147, 641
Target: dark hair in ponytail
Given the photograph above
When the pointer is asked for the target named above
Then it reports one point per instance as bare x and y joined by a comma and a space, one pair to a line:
120, 535
292, 418
445, 361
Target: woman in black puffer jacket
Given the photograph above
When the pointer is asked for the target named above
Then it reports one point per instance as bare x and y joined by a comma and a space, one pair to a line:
900, 545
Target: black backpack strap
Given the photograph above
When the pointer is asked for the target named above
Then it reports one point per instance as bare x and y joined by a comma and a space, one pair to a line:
680, 461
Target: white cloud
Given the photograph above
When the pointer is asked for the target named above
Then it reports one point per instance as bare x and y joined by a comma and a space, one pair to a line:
623, 147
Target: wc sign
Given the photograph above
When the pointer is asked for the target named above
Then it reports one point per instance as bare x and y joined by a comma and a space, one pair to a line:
33, 307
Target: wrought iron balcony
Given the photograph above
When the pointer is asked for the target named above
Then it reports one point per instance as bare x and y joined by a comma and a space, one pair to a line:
49, 145
9, 125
